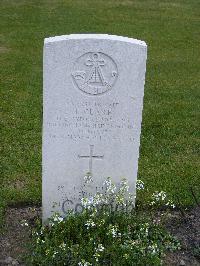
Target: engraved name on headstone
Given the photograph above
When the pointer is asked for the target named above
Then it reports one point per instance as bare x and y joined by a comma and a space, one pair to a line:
92, 113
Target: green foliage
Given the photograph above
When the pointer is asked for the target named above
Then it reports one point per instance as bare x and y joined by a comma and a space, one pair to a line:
106, 232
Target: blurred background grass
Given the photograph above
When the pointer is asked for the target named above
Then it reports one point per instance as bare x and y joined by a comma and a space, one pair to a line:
169, 154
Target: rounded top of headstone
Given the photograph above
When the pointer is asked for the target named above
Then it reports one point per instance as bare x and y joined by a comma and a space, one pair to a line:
94, 36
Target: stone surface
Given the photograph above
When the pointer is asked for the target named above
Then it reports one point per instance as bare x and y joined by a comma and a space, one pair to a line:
92, 113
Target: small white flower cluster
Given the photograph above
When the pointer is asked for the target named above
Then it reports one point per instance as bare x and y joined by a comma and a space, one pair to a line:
111, 195
113, 231
54, 254
88, 203
99, 199
90, 223
62, 246
101, 222
139, 185
39, 233
161, 196
24, 223
120, 199
98, 250
170, 203
56, 218
153, 249
157, 196
84, 263
110, 187
124, 187
144, 229
88, 178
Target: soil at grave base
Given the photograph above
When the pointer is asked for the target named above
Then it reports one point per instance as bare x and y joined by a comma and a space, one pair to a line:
14, 239
187, 230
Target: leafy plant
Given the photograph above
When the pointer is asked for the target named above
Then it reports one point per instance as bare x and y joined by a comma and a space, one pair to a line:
109, 231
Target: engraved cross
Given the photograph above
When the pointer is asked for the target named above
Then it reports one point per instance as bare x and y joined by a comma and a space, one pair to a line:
91, 157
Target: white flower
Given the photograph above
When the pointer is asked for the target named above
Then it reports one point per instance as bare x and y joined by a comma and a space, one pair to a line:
54, 254
139, 184
100, 248
110, 187
153, 248
113, 230
47, 252
158, 196
102, 222
84, 202
126, 256
57, 218
124, 187
63, 246
24, 223
42, 231
161, 196
88, 178
84, 263
90, 201
120, 199
98, 199
90, 223
171, 204
87, 202
144, 229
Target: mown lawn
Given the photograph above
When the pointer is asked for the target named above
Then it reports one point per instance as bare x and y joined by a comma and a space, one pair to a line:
170, 138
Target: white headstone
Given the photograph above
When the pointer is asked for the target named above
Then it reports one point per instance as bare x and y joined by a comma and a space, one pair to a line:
93, 100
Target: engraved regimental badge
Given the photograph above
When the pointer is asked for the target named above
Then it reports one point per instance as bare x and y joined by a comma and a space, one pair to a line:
95, 73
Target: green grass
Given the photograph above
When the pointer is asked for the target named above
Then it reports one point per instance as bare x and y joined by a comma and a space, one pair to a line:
169, 158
